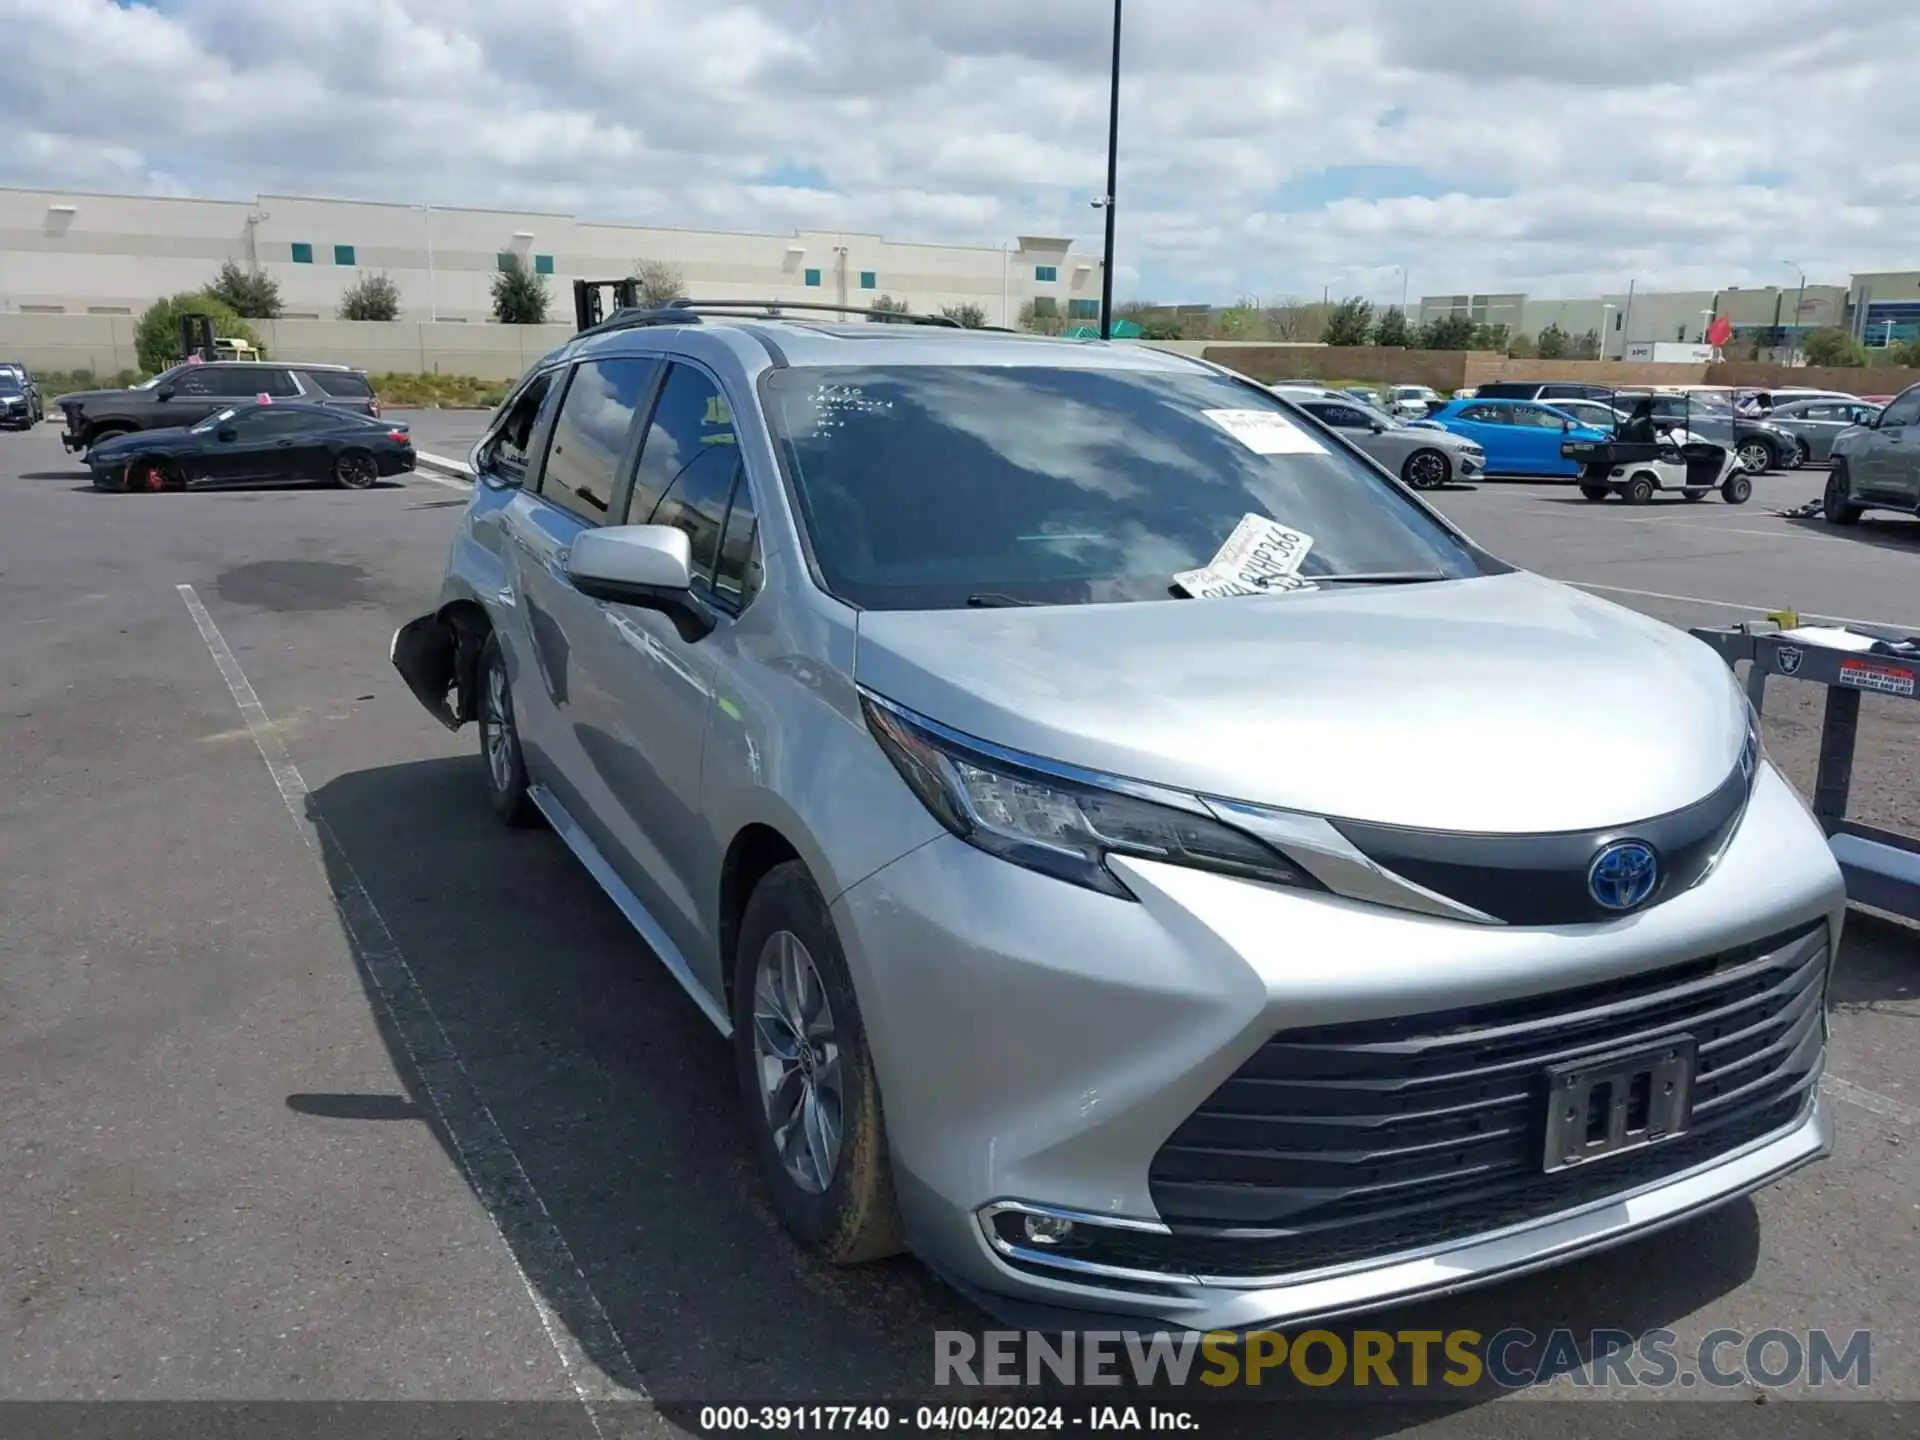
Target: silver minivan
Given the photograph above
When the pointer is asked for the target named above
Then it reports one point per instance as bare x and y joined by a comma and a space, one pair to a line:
1146, 860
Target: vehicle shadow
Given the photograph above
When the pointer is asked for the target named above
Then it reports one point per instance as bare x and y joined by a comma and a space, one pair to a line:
1879, 964
1887, 532
513, 995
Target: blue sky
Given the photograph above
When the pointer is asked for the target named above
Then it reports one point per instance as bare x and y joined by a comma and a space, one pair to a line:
1265, 150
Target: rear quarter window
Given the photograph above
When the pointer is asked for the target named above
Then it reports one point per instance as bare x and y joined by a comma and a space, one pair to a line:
339, 384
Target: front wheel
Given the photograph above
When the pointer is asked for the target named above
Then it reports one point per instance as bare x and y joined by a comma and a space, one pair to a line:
507, 785
1834, 504
355, 470
147, 475
1756, 456
1639, 490
1738, 489
1596, 493
806, 1076
1427, 470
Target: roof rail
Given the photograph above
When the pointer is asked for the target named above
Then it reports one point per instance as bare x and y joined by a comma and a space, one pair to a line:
688, 312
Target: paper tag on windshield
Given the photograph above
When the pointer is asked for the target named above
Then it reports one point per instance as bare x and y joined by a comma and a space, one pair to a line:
1260, 557
1266, 432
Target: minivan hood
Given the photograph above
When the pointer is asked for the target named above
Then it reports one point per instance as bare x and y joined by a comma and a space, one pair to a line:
1506, 704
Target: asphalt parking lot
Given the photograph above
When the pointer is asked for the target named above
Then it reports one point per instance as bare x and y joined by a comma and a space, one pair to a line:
317, 1084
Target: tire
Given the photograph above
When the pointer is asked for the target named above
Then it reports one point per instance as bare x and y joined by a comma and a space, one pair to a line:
1426, 470
105, 432
500, 753
1801, 455
355, 470
835, 1195
1639, 489
1596, 493
1757, 456
1835, 506
1738, 489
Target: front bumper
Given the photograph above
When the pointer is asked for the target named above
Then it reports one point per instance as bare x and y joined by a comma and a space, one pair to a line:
1038, 1046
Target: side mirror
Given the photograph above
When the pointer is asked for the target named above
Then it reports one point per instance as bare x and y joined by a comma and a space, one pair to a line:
1565, 426
164, 392
226, 432
648, 566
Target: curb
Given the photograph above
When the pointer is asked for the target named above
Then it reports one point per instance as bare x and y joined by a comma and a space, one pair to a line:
458, 469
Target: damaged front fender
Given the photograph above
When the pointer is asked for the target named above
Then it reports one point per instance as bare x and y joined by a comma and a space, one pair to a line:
436, 656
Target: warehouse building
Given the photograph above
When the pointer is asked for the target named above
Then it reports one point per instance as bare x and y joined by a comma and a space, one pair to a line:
63, 253
1775, 318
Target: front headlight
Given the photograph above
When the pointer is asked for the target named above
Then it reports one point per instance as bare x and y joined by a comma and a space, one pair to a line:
1059, 821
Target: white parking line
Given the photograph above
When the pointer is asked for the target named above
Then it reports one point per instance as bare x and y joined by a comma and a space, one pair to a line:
1910, 626
492, 1168
445, 480
1884, 1106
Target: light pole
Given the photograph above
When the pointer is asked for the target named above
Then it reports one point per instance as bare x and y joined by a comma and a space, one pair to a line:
1799, 306
1706, 319
1113, 181
1606, 309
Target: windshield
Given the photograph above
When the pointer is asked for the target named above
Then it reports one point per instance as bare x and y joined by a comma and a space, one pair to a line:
9, 384
163, 375
214, 422
935, 487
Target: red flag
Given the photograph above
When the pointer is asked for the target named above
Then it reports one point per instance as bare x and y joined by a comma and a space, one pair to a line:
1720, 331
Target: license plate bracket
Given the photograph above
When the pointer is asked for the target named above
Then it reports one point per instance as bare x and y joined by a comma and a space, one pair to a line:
1607, 1104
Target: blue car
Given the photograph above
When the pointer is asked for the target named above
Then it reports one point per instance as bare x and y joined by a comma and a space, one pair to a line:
1521, 437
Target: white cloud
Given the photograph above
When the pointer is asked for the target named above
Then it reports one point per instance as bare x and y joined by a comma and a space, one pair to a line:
1564, 149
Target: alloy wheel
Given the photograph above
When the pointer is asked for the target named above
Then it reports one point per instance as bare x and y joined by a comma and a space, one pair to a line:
796, 1052
502, 743
356, 472
1427, 470
1756, 457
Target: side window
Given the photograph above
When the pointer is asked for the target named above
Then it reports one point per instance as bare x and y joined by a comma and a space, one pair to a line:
341, 384
697, 503
1344, 417
1905, 410
591, 433
736, 577
193, 381
1487, 414
690, 424
279, 383
506, 454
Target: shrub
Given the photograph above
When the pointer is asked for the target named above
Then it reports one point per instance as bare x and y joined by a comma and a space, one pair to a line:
970, 316
156, 339
519, 296
371, 297
1834, 347
659, 282
1349, 323
250, 293
1393, 329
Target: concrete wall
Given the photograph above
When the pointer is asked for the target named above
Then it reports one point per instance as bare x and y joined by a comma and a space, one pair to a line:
71, 253
104, 344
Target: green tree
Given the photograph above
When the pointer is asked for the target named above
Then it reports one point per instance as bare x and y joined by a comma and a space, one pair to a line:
1491, 337
1393, 329
660, 282
253, 294
1587, 347
156, 339
1349, 323
1236, 322
1041, 316
1447, 332
970, 316
371, 297
1906, 352
1834, 347
1553, 343
519, 296
884, 307
1521, 348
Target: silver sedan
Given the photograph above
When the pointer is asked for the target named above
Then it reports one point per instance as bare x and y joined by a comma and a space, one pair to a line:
1424, 456
1816, 424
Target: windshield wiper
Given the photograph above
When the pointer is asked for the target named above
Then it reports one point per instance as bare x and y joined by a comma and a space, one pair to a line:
1382, 577
992, 600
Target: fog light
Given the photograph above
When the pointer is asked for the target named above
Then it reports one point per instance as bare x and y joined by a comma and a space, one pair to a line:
1047, 1229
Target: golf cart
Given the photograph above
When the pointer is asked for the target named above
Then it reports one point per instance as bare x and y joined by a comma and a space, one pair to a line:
1662, 443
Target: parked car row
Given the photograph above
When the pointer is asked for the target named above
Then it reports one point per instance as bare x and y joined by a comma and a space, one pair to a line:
261, 441
1424, 457
20, 404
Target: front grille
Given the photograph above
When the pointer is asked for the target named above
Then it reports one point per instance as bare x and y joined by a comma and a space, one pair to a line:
1351, 1141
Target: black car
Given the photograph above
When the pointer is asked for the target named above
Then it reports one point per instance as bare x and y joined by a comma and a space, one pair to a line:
262, 441
19, 402
18, 406
187, 394
1545, 391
